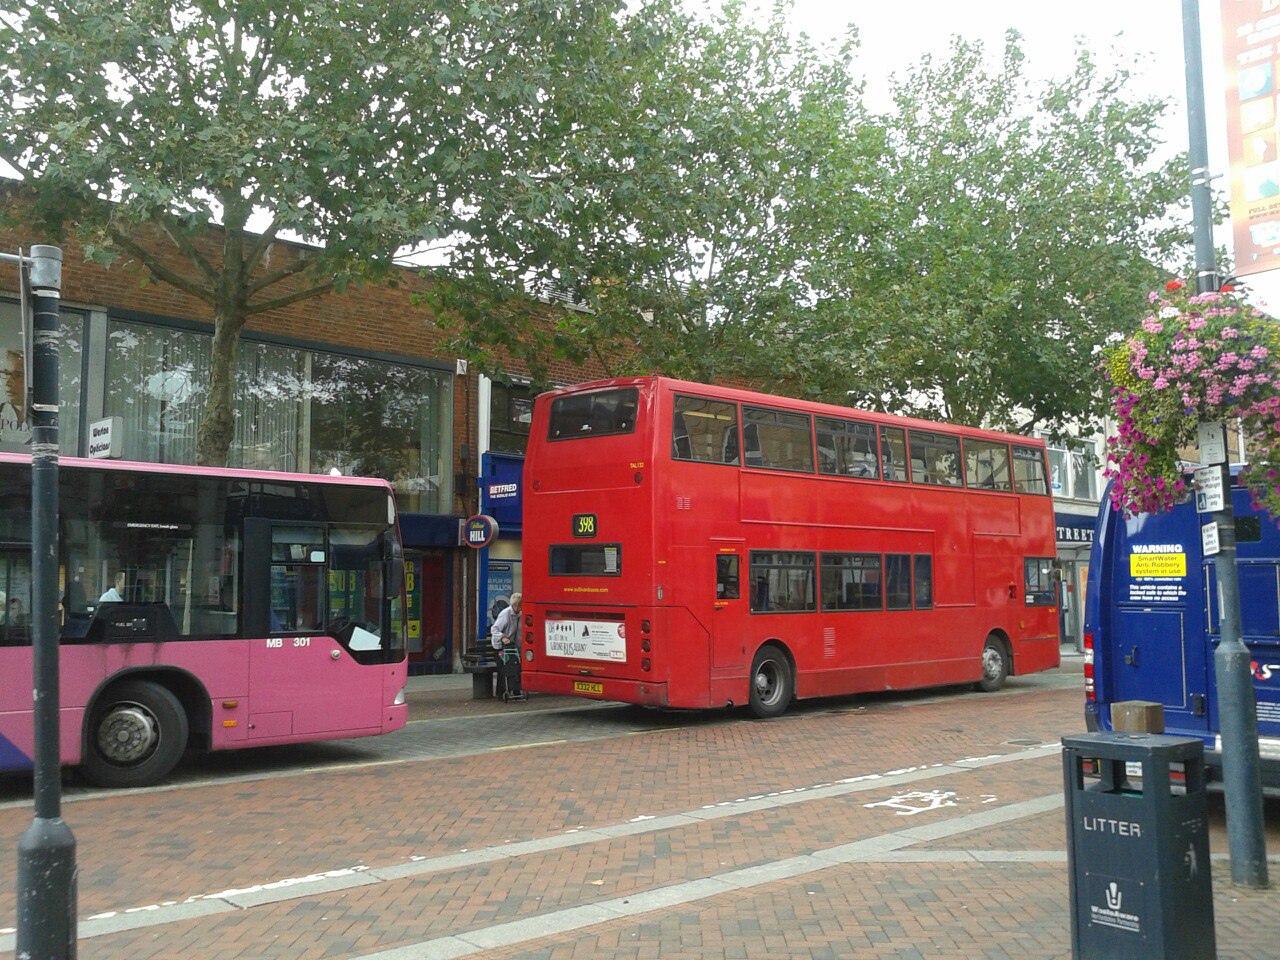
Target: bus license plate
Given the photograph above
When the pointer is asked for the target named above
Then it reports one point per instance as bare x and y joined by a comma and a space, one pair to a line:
582, 686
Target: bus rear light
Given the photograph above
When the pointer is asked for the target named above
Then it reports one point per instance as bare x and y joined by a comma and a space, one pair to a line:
645, 645
645, 626
230, 704
528, 656
645, 664
528, 636
528, 619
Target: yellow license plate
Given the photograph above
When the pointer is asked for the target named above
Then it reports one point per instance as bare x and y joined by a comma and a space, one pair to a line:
582, 686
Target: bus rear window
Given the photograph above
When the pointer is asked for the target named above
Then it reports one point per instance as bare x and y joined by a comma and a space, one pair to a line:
586, 560
594, 414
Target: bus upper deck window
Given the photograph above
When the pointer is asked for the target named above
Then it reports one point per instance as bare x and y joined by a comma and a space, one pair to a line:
704, 430
597, 414
1028, 470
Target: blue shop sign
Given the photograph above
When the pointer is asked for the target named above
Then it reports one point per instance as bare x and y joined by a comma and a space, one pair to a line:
1074, 528
502, 489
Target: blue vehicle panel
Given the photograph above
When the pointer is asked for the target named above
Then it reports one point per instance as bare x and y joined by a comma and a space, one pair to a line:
1152, 619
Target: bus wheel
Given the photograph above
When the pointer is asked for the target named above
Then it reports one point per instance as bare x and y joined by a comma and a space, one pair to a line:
995, 665
136, 735
771, 682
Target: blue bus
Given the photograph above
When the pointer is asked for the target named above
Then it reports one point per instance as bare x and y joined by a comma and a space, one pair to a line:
1151, 621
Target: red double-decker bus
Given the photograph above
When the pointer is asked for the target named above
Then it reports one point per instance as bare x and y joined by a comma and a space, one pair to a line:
696, 546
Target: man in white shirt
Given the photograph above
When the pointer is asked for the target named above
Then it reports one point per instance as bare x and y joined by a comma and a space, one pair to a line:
504, 635
115, 593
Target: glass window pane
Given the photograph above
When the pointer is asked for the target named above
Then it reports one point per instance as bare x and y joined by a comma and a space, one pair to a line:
15, 597
595, 414
1058, 471
893, 453
897, 577
1039, 581
370, 418
851, 581
1028, 470
270, 393
297, 544
704, 430
987, 465
846, 448
15, 430
510, 413
924, 581
586, 560
727, 577
355, 586
935, 458
297, 598
782, 581
167, 545
777, 439
156, 382
1084, 479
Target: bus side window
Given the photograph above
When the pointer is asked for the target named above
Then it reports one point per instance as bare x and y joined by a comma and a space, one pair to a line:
727, 576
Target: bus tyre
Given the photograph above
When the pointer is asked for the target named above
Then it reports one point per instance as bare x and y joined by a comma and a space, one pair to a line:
136, 735
771, 682
995, 665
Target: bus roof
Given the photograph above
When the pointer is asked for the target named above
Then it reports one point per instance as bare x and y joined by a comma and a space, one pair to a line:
230, 472
806, 406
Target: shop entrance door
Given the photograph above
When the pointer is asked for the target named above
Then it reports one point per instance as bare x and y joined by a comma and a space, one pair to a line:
428, 620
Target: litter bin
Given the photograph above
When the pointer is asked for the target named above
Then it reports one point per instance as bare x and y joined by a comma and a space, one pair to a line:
1138, 847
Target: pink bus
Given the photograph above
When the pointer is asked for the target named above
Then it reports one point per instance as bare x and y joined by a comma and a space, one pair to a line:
206, 609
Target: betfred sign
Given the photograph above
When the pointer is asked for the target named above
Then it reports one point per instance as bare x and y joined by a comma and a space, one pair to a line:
106, 437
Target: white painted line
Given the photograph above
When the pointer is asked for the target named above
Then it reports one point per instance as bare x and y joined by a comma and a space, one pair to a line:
293, 888
592, 914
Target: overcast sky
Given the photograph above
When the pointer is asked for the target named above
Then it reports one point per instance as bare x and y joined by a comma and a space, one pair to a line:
1145, 35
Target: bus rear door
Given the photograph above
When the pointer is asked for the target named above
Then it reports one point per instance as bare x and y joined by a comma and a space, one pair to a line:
1156, 647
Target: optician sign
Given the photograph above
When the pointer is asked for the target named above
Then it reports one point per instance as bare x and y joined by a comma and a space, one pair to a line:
106, 438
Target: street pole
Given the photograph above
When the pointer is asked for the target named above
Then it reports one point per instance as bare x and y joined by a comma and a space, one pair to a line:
47, 850
1237, 706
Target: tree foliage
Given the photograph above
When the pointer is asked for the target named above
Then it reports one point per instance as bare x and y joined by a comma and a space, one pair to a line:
362, 128
1023, 224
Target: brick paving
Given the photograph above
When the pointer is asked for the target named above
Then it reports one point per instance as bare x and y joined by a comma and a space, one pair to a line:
150, 847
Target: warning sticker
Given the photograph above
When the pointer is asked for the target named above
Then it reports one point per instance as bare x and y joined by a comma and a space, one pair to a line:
1158, 565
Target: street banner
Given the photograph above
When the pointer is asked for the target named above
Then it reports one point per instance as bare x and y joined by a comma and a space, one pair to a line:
1251, 57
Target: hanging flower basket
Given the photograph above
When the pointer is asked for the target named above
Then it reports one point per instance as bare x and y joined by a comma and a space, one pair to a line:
1194, 358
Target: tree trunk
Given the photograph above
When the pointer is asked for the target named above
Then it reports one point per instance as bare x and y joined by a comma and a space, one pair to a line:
217, 422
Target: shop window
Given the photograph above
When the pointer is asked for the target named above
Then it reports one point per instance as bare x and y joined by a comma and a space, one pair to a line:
1084, 476
15, 429
510, 414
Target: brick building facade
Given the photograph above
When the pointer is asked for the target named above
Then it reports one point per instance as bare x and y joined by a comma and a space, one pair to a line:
359, 380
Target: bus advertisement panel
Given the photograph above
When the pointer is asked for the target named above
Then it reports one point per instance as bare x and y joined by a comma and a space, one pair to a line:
1152, 621
203, 608
695, 546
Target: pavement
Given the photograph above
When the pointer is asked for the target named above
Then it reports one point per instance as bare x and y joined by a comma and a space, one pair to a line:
922, 825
